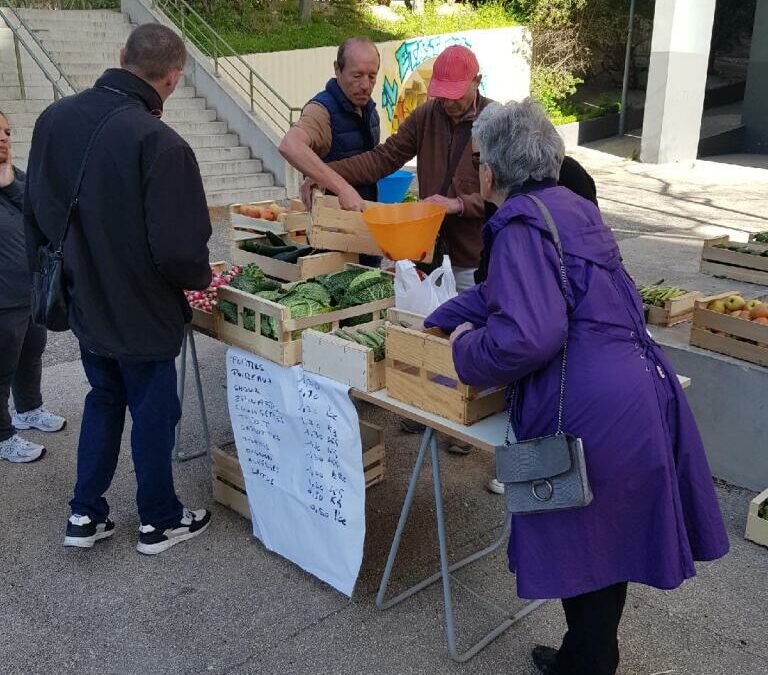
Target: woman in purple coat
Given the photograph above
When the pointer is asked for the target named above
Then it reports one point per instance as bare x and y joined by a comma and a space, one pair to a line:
654, 510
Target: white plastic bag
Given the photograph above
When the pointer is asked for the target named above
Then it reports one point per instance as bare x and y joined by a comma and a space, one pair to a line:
423, 296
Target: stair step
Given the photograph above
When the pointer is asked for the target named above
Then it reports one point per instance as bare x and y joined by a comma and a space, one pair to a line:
229, 168
212, 141
175, 103
21, 107
44, 93
80, 35
199, 128
238, 182
174, 115
223, 154
227, 197
31, 14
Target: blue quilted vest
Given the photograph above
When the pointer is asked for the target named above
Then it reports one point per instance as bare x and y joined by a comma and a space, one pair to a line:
352, 134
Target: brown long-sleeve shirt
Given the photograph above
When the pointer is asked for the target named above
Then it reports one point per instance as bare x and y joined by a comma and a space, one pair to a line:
428, 134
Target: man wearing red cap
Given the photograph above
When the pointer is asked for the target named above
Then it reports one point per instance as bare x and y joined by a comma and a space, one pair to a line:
438, 134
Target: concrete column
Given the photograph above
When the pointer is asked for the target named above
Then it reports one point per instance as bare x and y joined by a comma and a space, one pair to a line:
755, 116
677, 78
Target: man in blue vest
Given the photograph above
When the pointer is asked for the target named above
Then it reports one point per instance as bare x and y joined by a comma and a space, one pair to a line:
339, 122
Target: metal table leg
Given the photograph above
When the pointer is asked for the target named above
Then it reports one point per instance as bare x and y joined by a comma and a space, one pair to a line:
429, 440
189, 338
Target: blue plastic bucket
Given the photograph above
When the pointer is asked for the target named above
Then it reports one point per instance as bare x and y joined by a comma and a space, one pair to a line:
393, 188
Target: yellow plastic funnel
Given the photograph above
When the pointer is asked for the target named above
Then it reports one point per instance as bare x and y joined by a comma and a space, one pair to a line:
405, 231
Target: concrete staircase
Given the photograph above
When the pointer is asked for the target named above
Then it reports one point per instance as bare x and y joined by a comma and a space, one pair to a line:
85, 43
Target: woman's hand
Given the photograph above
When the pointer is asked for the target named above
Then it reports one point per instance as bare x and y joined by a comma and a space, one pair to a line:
453, 204
461, 328
7, 176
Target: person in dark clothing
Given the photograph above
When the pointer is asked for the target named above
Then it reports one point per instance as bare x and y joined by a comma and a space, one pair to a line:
21, 342
340, 121
140, 239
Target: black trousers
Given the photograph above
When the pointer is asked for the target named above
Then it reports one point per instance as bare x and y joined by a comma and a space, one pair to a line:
591, 647
21, 364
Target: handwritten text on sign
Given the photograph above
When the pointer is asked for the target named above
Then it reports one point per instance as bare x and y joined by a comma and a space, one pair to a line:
298, 441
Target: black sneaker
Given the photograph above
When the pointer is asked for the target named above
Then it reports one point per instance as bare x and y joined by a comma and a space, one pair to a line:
545, 659
153, 541
84, 532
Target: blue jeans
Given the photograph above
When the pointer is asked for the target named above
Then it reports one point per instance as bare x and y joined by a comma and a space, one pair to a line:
148, 391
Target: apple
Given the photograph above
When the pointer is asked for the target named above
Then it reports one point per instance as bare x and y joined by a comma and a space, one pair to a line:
759, 312
751, 304
735, 302
762, 320
744, 314
717, 306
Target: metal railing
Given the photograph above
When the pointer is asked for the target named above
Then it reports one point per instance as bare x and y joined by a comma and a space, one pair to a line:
24, 36
257, 91
69, 4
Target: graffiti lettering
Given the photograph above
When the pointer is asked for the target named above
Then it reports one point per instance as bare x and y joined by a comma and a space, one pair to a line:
389, 97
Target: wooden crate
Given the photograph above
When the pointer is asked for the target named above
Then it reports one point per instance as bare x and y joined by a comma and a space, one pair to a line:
344, 361
207, 322
752, 239
334, 229
304, 268
673, 312
405, 319
420, 372
757, 528
285, 350
720, 262
296, 219
740, 338
227, 475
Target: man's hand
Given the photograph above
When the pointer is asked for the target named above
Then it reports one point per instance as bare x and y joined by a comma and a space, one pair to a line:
453, 204
7, 176
306, 192
350, 199
461, 328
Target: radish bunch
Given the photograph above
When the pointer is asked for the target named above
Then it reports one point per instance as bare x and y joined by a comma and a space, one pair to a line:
207, 299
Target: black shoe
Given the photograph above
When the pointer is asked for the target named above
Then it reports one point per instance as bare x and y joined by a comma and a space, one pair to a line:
545, 659
84, 531
412, 427
192, 523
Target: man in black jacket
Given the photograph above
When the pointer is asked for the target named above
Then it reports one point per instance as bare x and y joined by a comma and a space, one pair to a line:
140, 239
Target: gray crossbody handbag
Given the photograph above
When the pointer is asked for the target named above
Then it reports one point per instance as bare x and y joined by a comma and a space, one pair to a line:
547, 473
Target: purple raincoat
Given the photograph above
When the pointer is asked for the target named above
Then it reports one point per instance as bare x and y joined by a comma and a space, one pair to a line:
654, 510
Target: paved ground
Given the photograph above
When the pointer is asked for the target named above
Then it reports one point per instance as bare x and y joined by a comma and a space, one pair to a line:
224, 605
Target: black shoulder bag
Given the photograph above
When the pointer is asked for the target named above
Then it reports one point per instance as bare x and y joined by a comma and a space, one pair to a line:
50, 301
547, 473
461, 137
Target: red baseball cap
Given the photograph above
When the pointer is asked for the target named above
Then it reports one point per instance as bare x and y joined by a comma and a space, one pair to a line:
454, 69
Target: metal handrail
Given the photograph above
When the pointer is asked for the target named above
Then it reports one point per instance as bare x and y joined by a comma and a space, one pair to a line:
260, 94
18, 39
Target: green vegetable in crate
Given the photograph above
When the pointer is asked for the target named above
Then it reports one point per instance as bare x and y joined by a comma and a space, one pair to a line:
338, 282
368, 287
312, 291
252, 246
761, 238
374, 339
659, 295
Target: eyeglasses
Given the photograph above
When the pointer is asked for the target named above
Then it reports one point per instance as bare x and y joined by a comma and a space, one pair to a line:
476, 161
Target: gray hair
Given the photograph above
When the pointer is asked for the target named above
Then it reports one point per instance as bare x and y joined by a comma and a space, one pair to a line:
518, 142
153, 50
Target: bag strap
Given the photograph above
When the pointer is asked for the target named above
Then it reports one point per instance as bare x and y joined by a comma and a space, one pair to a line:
74, 202
461, 136
511, 398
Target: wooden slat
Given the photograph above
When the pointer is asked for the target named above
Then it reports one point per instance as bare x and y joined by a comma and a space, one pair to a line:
411, 319
338, 315
421, 350
303, 269
728, 257
733, 272
729, 346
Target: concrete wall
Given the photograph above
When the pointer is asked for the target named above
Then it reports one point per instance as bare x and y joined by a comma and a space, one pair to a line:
253, 131
730, 401
503, 53
756, 96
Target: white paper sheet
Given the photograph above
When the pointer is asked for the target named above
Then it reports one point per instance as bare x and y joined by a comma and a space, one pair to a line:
298, 441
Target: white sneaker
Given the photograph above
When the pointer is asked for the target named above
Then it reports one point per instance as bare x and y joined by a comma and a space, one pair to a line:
495, 486
38, 419
19, 451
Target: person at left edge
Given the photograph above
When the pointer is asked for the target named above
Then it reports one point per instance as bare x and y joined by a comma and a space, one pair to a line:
140, 239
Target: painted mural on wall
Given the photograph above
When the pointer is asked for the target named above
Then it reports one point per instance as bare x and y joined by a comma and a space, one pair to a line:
406, 77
